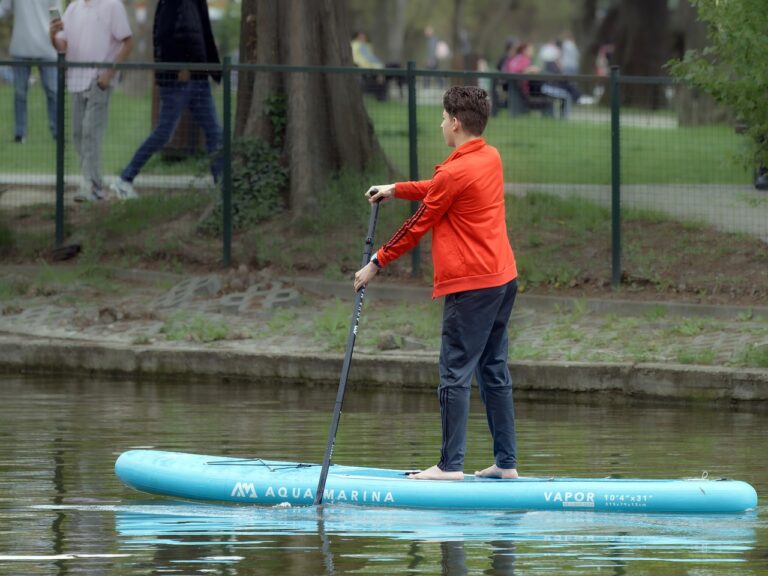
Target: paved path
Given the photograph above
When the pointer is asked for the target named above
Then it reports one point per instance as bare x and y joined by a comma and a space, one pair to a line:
20, 189
727, 207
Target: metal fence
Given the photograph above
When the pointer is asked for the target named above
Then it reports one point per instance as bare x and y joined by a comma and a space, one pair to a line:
598, 190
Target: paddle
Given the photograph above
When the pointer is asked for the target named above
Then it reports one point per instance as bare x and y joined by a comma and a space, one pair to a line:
367, 250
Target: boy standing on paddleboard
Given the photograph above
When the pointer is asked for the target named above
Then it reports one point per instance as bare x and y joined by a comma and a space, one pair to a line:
474, 268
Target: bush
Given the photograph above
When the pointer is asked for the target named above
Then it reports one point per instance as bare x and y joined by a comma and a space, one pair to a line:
259, 181
733, 69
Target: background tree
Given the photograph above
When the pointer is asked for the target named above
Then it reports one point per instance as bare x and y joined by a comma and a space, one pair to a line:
642, 46
639, 31
141, 14
391, 16
488, 24
693, 105
325, 126
6, 29
734, 67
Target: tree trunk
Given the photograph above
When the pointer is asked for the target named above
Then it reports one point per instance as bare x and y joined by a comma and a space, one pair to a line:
693, 106
139, 82
327, 127
462, 54
396, 31
585, 33
492, 22
642, 48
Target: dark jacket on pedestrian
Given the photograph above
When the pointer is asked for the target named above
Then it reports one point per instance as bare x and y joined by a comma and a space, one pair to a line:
182, 33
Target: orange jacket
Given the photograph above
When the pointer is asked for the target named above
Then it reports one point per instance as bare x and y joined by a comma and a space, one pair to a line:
464, 204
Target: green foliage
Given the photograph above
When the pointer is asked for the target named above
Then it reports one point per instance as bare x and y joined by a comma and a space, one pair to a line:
282, 320
338, 222
688, 327
259, 182
755, 356
12, 287
542, 217
549, 211
81, 278
331, 325
342, 201
733, 69
147, 212
700, 357
7, 238
195, 329
420, 322
276, 109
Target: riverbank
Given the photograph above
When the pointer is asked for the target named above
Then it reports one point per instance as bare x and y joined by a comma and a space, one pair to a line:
250, 326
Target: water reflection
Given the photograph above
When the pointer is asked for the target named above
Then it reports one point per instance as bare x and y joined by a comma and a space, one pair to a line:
62, 511
201, 532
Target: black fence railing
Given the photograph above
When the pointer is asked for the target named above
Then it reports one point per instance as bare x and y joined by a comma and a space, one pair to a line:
581, 159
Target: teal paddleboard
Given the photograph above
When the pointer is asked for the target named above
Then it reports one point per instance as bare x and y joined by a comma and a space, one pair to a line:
270, 482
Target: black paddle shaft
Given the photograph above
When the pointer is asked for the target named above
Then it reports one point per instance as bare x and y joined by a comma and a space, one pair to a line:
367, 251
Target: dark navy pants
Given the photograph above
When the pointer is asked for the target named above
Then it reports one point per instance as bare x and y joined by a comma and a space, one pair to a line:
175, 98
475, 343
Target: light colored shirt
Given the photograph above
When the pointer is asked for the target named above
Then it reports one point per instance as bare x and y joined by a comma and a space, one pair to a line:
94, 31
570, 57
363, 56
31, 19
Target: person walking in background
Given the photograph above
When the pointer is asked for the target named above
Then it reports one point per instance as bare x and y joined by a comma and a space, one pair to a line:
30, 45
431, 50
181, 33
474, 268
91, 31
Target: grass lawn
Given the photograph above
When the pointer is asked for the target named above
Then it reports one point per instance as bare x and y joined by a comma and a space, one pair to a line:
577, 151
129, 124
534, 149
562, 245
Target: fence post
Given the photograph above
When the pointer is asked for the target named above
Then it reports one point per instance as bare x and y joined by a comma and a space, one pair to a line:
413, 155
615, 179
60, 111
226, 153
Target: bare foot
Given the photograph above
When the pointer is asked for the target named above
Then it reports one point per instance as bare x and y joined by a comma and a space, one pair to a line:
496, 472
434, 473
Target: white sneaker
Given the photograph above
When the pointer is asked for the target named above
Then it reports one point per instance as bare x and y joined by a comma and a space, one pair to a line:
123, 190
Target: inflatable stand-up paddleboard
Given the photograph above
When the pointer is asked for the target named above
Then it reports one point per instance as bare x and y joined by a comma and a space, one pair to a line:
270, 482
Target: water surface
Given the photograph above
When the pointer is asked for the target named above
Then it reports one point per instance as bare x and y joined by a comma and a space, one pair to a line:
62, 511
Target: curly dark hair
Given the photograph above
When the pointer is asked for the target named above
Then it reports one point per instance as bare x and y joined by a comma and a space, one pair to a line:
470, 105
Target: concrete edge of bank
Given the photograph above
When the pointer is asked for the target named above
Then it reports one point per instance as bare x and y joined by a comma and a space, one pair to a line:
45, 356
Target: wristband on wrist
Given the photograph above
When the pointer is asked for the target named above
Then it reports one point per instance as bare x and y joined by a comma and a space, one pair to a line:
375, 261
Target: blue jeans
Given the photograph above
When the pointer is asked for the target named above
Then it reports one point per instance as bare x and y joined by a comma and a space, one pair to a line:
21, 86
559, 93
475, 343
175, 98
